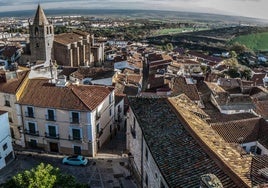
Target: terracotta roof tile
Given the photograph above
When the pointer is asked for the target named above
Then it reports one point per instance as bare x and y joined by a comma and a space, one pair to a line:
41, 93
93, 72
11, 86
259, 166
91, 96
231, 131
67, 38
258, 79
180, 86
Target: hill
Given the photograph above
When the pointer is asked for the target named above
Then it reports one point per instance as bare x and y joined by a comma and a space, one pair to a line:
255, 41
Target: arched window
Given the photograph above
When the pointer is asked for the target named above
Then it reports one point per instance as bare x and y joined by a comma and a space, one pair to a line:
47, 30
50, 29
36, 31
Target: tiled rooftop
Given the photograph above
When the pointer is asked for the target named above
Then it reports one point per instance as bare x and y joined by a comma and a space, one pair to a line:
230, 156
180, 86
41, 93
232, 131
259, 169
93, 72
179, 157
67, 38
12, 85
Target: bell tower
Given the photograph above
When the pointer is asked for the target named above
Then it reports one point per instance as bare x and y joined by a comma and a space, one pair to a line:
41, 37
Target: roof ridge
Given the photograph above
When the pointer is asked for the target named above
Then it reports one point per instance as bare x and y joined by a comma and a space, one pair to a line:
238, 120
73, 91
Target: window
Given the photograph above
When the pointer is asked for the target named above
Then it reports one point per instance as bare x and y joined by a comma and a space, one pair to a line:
30, 111
50, 115
146, 180
110, 99
33, 143
75, 117
252, 149
32, 128
76, 134
10, 117
110, 111
258, 151
37, 45
52, 132
5, 146
146, 154
98, 128
133, 128
98, 114
7, 100
77, 150
119, 109
162, 185
36, 31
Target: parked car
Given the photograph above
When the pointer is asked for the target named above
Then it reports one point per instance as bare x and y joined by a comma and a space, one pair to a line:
77, 160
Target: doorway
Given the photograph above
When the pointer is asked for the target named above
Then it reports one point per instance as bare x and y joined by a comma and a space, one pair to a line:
54, 147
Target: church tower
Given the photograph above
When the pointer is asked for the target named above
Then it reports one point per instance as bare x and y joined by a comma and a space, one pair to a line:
41, 37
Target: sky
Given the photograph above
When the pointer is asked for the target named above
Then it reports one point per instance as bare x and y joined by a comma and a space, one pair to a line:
248, 8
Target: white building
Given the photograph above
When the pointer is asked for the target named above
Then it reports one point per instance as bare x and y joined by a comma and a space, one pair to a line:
6, 150
69, 119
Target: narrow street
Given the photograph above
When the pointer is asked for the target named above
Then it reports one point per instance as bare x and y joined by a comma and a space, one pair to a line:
108, 170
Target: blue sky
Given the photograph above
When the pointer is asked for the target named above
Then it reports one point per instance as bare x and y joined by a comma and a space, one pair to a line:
250, 8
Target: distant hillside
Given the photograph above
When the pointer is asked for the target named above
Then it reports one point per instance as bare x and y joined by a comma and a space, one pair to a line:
139, 14
256, 41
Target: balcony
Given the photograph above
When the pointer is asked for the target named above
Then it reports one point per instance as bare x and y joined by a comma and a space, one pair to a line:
50, 118
28, 114
30, 132
75, 138
53, 136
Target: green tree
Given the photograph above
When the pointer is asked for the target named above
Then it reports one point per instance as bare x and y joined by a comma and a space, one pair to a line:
238, 48
169, 47
246, 73
43, 176
233, 73
233, 54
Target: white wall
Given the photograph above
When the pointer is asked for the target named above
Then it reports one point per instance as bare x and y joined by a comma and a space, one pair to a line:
264, 151
105, 121
5, 138
116, 113
134, 145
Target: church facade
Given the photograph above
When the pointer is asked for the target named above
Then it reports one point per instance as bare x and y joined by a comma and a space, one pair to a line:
73, 49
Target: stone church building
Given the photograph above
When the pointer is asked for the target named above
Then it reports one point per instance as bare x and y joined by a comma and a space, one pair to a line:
67, 49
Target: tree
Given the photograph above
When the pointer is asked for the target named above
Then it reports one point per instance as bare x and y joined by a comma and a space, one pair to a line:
43, 176
233, 73
239, 48
246, 73
169, 47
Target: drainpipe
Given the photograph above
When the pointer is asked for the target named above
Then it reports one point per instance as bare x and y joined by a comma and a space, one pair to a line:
23, 127
142, 162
